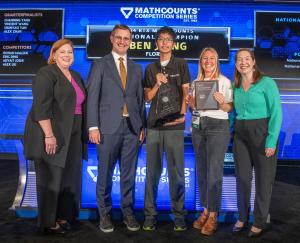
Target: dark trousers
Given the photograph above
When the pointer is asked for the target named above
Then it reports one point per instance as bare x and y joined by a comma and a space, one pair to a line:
249, 153
123, 145
170, 141
58, 189
210, 142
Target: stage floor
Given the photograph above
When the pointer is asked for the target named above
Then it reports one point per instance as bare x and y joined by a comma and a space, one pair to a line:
284, 227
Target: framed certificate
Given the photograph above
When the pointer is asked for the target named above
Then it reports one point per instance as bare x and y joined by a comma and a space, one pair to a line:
204, 95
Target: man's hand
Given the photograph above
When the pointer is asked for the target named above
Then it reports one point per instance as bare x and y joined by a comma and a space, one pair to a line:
176, 121
161, 78
94, 136
142, 136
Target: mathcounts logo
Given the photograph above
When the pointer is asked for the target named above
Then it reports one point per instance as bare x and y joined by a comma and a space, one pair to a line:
126, 11
185, 14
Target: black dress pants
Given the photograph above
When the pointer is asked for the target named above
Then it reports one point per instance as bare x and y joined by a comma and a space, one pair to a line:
249, 152
58, 189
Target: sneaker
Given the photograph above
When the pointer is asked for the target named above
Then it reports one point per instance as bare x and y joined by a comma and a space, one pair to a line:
149, 224
179, 224
106, 225
131, 223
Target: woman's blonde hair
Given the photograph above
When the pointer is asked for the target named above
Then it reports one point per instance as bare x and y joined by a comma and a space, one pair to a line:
201, 73
56, 45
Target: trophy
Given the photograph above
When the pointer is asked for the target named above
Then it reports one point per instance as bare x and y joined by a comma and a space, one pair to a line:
168, 102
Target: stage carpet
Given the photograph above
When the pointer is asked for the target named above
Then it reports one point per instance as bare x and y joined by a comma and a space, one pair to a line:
284, 227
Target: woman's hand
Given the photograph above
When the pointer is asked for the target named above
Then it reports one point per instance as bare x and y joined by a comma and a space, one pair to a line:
50, 145
219, 97
269, 152
190, 100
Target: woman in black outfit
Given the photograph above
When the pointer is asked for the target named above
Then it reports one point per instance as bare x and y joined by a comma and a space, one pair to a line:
54, 138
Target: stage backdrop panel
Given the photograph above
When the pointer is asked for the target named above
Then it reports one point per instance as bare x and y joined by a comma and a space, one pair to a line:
189, 42
277, 46
270, 28
26, 37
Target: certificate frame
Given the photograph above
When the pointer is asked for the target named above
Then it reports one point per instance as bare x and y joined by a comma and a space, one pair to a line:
204, 94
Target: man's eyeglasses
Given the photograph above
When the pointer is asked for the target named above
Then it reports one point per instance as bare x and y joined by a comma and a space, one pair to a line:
165, 39
120, 38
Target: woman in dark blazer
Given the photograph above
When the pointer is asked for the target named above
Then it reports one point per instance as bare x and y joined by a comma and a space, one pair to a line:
54, 138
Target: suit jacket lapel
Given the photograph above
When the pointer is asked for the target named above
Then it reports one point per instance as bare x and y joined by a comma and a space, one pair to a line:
114, 71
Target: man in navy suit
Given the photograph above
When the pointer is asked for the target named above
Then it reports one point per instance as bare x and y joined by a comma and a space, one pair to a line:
115, 119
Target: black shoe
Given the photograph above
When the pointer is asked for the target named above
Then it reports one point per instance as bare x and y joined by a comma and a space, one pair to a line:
236, 229
106, 225
53, 231
65, 225
253, 234
131, 223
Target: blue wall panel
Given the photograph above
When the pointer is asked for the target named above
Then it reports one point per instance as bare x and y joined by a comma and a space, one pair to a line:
15, 102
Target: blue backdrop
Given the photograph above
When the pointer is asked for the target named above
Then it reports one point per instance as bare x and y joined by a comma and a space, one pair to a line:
15, 101
16, 97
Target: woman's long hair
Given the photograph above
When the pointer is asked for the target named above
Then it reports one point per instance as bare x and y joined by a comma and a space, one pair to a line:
257, 74
216, 72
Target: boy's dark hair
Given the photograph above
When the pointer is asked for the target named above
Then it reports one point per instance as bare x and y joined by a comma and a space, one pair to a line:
166, 30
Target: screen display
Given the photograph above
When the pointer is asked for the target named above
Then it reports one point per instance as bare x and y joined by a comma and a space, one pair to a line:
271, 29
26, 37
189, 42
277, 45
